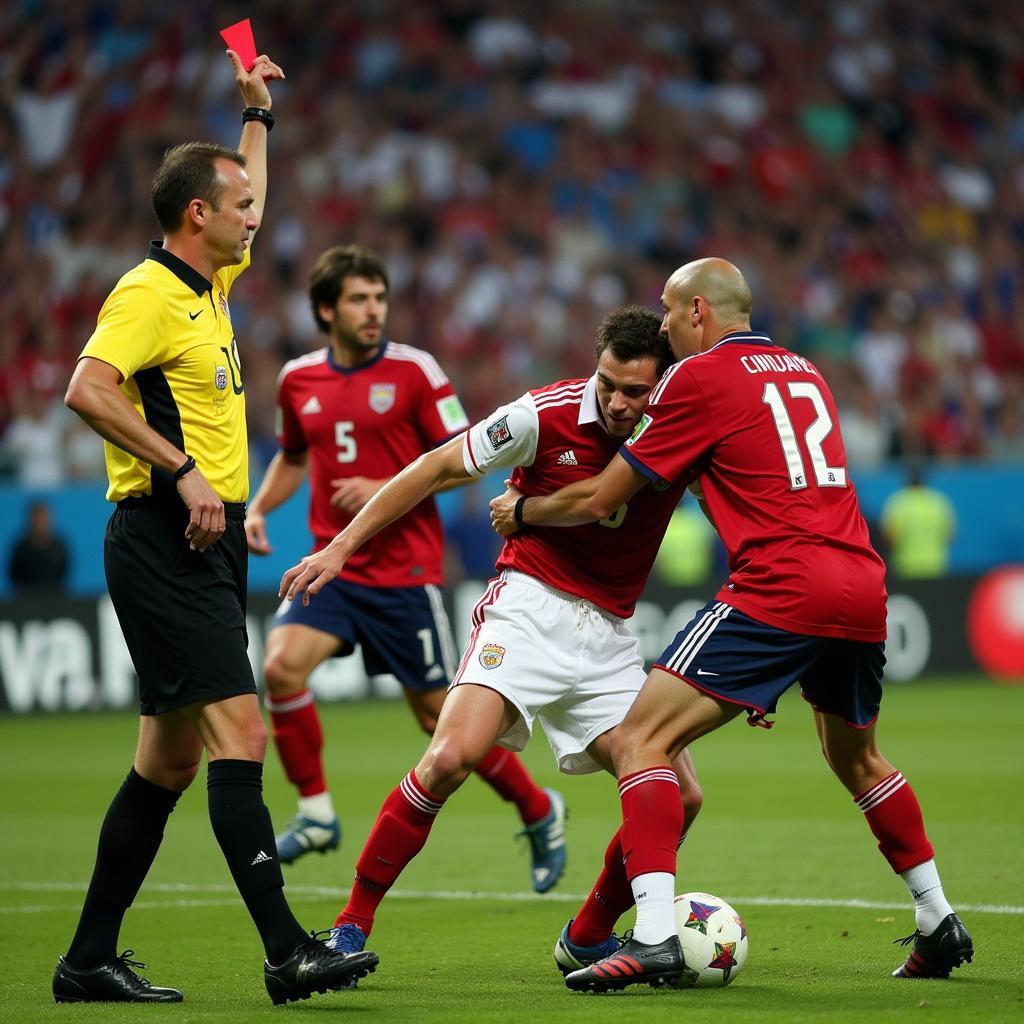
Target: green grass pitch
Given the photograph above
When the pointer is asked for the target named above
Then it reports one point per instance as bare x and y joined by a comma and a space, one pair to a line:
463, 939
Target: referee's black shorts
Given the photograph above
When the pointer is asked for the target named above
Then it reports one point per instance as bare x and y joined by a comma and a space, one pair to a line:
182, 612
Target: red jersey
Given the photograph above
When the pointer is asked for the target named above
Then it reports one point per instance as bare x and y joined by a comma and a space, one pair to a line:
371, 420
759, 426
555, 436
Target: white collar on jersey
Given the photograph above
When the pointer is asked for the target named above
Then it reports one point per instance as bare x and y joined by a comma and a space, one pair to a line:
590, 411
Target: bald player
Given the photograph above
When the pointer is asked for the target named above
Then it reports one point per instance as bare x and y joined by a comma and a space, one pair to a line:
757, 427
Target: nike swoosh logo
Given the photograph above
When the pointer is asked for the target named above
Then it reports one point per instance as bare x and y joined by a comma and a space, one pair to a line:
192, 316
701, 672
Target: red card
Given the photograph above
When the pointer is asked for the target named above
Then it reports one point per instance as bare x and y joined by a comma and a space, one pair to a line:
239, 38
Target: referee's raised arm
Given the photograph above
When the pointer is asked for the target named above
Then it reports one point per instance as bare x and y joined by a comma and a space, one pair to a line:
257, 121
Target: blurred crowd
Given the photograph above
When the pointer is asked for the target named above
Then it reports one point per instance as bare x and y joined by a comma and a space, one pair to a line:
524, 167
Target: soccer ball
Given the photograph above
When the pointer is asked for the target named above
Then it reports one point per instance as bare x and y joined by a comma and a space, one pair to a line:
714, 940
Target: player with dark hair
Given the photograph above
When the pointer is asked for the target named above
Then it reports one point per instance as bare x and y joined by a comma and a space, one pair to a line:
550, 640
160, 381
351, 415
805, 602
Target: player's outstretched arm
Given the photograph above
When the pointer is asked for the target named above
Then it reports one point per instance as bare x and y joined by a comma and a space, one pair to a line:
585, 501
417, 481
253, 145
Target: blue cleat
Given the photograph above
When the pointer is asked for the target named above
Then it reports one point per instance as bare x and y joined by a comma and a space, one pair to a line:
346, 938
569, 957
547, 844
304, 835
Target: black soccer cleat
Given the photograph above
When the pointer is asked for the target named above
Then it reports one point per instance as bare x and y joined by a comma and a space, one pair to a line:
314, 967
935, 955
635, 963
111, 982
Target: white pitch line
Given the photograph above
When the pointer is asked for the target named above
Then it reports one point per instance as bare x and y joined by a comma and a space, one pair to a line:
436, 894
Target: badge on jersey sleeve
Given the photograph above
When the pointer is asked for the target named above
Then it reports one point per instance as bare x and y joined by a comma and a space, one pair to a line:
499, 433
382, 397
638, 430
492, 655
453, 416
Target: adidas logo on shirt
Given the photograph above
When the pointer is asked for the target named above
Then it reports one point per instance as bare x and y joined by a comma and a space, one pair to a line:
567, 458
312, 406
261, 858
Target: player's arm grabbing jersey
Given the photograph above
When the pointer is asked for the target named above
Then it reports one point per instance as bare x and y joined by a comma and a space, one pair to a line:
371, 421
167, 331
551, 437
760, 426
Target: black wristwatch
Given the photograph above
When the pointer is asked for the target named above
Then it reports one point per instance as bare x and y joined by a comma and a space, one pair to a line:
258, 114
186, 467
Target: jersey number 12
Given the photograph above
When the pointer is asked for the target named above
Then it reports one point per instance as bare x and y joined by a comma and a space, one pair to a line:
824, 474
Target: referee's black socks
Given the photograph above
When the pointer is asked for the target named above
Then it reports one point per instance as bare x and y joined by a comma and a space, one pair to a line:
241, 823
129, 838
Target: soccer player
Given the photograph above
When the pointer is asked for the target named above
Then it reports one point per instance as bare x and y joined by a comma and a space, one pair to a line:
805, 601
550, 639
160, 381
352, 414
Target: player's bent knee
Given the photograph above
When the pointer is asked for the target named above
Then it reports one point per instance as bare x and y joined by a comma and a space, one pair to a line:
444, 767
281, 678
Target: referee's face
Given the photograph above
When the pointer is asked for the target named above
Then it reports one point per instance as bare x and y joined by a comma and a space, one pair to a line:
229, 227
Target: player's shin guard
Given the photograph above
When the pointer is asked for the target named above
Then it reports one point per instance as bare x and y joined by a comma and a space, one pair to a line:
129, 839
610, 898
652, 820
242, 826
299, 738
894, 816
399, 833
506, 774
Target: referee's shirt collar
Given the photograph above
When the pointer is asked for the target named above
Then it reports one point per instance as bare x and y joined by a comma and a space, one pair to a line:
179, 268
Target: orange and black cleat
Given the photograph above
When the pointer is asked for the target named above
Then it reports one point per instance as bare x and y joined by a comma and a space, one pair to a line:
635, 963
935, 955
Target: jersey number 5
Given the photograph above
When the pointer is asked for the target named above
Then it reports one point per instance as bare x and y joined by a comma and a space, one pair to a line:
824, 474
345, 441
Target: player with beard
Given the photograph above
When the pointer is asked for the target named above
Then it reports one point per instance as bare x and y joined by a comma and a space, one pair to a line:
351, 415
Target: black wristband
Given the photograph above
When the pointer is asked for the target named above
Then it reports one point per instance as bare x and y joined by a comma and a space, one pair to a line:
186, 467
258, 114
517, 512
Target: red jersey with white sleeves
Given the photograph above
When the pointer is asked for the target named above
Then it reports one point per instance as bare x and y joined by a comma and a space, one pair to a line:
555, 436
759, 425
371, 420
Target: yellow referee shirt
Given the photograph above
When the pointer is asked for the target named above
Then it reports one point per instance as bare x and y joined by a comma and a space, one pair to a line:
168, 332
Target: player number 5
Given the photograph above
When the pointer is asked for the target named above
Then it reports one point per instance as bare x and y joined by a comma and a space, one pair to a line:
345, 441
824, 474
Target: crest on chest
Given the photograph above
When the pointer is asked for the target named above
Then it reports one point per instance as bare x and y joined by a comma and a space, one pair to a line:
382, 397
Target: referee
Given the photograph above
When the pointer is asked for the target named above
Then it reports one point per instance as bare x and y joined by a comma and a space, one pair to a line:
160, 382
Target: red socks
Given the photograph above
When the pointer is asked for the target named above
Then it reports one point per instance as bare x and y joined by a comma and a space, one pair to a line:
610, 898
894, 816
504, 772
652, 820
399, 833
300, 739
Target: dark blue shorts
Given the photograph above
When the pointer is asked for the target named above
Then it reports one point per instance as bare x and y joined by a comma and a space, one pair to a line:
735, 658
401, 630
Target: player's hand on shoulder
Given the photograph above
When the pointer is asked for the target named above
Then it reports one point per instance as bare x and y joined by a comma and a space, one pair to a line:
206, 523
503, 511
352, 493
253, 84
311, 574
256, 533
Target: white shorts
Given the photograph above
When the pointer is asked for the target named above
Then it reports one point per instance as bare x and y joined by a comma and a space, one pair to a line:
555, 657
